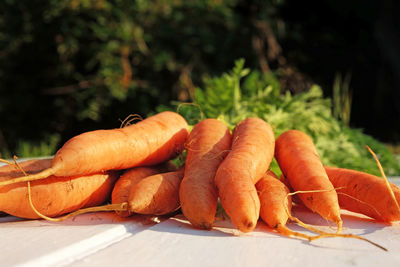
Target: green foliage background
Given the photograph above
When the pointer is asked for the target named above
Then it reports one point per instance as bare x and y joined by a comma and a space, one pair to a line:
69, 66
242, 93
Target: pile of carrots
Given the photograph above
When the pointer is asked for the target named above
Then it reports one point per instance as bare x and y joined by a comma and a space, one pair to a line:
132, 167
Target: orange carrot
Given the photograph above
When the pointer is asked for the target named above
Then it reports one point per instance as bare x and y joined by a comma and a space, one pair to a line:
275, 210
365, 193
55, 195
276, 205
153, 195
299, 161
207, 145
148, 142
250, 156
129, 178
157, 194
274, 200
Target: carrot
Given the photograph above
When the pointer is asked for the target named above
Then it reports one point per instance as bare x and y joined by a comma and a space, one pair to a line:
207, 145
153, 195
275, 210
274, 197
300, 164
365, 193
130, 177
250, 156
53, 196
276, 205
157, 194
148, 142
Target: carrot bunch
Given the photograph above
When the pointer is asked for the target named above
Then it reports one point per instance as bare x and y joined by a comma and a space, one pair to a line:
78, 176
131, 165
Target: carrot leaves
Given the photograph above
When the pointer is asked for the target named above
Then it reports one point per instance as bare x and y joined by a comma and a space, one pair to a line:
241, 93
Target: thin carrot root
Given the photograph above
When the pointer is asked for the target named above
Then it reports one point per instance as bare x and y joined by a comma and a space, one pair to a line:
129, 119
32, 177
6, 161
360, 201
385, 178
110, 207
284, 230
339, 223
321, 234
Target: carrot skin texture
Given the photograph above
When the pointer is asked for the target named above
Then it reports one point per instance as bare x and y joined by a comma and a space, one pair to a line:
148, 142
124, 184
300, 164
207, 145
368, 193
250, 156
157, 194
53, 196
273, 198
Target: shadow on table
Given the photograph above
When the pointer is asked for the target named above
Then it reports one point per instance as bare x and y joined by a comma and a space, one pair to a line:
353, 224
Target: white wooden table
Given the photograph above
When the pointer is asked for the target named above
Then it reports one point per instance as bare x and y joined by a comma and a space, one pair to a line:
104, 239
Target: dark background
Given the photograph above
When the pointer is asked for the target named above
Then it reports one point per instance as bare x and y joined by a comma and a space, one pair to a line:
72, 66
361, 37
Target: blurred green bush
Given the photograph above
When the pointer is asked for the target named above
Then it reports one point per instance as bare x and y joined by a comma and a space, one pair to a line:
242, 93
73, 65
68, 66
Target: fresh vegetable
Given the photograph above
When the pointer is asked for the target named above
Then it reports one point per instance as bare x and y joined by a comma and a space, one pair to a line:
301, 165
275, 201
157, 194
148, 142
365, 193
250, 156
207, 145
129, 178
53, 196
154, 195
276, 204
